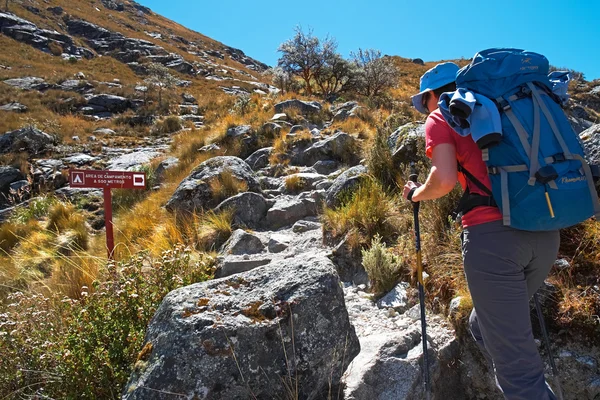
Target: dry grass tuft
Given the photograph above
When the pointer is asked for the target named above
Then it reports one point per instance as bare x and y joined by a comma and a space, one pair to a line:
366, 212
226, 185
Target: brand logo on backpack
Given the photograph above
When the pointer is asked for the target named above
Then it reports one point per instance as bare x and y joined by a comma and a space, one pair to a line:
572, 180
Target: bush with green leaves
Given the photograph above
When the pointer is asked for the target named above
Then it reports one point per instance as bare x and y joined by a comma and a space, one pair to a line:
382, 267
85, 348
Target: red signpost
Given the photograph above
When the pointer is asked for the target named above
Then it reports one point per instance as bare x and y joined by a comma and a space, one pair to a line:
107, 180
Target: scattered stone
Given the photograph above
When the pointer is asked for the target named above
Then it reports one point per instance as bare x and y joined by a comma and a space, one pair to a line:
304, 107
14, 107
336, 147
397, 298
80, 159
287, 210
188, 98
195, 193
305, 226
561, 264
242, 242
279, 117
259, 159
29, 138
55, 10
28, 83
237, 131
109, 102
134, 160
209, 148
193, 331
104, 131
326, 167
278, 243
230, 265
249, 208
343, 183
8, 176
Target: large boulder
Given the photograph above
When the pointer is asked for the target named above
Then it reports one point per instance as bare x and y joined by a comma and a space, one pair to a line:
591, 141
287, 210
249, 336
339, 146
305, 107
195, 192
28, 83
109, 102
8, 176
241, 242
28, 138
249, 208
260, 158
344, 183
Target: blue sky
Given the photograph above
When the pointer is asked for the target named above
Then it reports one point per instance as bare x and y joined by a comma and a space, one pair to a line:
567, 32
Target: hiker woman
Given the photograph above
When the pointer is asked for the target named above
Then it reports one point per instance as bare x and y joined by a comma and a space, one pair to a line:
504, 266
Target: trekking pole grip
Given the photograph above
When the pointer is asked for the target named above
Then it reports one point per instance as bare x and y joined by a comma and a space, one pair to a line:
413, 177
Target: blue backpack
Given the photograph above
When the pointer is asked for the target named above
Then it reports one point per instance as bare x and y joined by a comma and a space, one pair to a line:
540, 179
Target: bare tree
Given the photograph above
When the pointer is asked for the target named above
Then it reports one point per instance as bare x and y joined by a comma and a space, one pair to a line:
303, 55
377, 73
160, 77
280, 78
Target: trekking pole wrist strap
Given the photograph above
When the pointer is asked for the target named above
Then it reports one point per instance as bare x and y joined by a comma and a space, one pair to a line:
410, 194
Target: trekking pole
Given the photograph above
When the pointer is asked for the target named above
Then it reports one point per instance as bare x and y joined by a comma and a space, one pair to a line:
538, 307
413, 178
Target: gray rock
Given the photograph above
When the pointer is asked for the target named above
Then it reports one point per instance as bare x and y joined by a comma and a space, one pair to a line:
305, 107
305, 226
344, 183
348, 263
260, 158
561, 264
133, 160
14, 107
9, 175
271, 128
249, 208
230, 265
326, 167
197, 330
397, 298
195, 193
213, 147
278, 243
188, 98
287, 210
334, 147
29, 138
187, 109
237, 131
296, 128
104, 131
407, 143
591, 141
242, 242
80, 159
55, 10
418, 61
279, 117
75, 85
389, 365
325, 184
455, 305
28, 83
345, 111
110, 102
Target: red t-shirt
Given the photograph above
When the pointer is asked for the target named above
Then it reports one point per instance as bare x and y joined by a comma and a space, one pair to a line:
437, 131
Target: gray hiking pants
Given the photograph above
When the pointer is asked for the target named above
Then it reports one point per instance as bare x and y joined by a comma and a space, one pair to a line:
504, 268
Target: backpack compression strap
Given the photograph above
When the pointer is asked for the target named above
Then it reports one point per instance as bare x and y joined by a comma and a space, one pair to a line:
469, 200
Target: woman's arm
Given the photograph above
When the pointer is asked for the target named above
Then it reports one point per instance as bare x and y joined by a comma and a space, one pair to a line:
442, 177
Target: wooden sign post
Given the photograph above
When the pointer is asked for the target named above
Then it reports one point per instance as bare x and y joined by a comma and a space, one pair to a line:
107, 180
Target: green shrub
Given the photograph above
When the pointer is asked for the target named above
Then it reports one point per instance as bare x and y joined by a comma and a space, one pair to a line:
382, 267
85, 349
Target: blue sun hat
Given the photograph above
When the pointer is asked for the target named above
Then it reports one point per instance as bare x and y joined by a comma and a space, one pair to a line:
438, 76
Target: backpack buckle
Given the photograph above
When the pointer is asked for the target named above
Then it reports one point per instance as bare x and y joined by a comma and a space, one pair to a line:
493, 170
505, 105
560, 157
